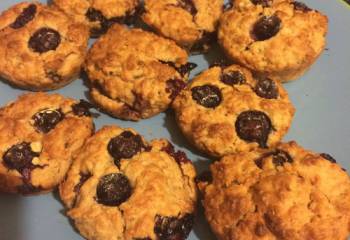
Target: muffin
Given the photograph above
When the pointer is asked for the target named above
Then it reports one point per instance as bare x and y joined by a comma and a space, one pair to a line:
285, 192
134, 74
122, 187
226, 110
40, 134
281, 41
41, 48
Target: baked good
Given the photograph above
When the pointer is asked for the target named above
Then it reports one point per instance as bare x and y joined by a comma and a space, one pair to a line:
135, 74
246, 4
191, 23
121, 187
281, 41
285, 192
40, 133
41, 48
226, 110
99, 15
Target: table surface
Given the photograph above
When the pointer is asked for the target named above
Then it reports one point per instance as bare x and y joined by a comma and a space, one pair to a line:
321, 97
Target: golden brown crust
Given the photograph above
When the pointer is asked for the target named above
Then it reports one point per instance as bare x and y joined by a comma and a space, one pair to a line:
177, 23
213, 130
306, 199
129, 73
56, 148
287, 55
28, 69
161, 186
109, 9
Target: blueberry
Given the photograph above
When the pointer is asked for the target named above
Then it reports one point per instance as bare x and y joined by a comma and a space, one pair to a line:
208, 96
254, 126
47, 119
266, 27
266, 88
25, 17
19, 157
173, 228
44, 40
179, 156
124, 146
82, 108
113, 189
174, 87
233, 78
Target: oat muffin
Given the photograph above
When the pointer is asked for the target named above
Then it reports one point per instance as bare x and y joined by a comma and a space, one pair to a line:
191, 23
285, 192
226, 110
41, 48
121, 187
281, 41
135, 74
40, 133
99, 15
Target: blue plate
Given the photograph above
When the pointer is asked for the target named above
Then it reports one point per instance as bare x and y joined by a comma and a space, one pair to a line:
321, 97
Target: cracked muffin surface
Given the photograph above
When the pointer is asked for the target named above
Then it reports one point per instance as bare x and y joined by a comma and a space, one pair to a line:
41, 48
135, 74
188, 22
226, 110
99, 15
281, 41
285, 192
121, 187
40, 133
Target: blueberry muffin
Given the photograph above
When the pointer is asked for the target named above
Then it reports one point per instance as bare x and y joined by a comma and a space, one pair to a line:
281, 41
121, 187
191, 23
40, 133
135, 74
285, 192
226, 110
99, 15
41, 48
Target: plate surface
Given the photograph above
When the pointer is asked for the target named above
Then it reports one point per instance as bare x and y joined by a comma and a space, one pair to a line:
321, 97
